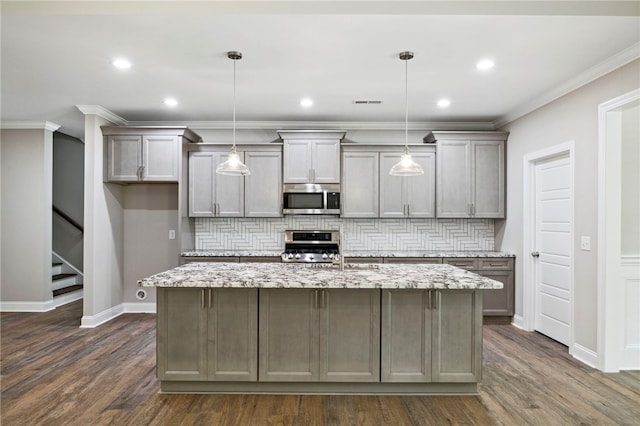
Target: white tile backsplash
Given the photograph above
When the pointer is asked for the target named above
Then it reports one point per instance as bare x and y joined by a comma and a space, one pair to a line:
399, 235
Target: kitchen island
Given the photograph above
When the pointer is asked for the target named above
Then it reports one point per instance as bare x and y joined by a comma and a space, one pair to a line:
289, 328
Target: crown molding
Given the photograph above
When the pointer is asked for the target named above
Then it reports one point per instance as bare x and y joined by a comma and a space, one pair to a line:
29, 125
611, 64
102, 113
322, 125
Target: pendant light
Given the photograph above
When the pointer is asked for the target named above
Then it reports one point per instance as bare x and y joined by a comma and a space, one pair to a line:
233, 166
406, 166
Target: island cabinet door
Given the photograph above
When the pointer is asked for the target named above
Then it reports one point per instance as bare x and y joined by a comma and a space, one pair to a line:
181, 334
232, 331
406, 336
349, 335
457, 336
288, 335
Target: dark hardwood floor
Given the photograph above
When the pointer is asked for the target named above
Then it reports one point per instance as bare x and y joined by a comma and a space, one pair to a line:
54, 373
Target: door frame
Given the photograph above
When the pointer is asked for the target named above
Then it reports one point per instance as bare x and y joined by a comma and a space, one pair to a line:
529, 214
610, 290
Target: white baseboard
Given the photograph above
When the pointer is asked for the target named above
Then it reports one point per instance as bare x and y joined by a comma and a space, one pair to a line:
45, 306
585, 355
518, 321
92, 321
140, 308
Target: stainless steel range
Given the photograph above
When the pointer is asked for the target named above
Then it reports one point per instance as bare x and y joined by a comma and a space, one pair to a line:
311, 246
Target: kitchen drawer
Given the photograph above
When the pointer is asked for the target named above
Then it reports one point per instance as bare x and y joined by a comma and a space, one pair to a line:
260, 259
362, 260
468, 263
496, 263
422, 260
191, 259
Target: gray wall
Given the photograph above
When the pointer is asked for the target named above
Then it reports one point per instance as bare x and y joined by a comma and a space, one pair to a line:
571, 117
26, 218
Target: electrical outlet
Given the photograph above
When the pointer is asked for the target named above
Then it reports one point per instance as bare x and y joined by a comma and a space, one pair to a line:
585, 243
172, 234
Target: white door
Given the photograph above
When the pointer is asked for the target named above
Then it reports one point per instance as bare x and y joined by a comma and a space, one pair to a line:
553, 225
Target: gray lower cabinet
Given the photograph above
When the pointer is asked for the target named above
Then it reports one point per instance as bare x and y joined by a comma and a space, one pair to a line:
431, 336
207, 334
497, 303
319, 335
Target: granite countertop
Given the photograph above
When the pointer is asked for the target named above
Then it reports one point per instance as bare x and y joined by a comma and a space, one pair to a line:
248, 253
287, 275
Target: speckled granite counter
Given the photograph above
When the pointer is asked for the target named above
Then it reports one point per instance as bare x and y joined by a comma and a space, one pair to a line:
282, 275
249, 253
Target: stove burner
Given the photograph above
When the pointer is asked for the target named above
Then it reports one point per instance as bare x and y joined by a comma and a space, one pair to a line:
311, 247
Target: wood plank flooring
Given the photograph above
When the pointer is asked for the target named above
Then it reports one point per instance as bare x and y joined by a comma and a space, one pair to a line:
54, 373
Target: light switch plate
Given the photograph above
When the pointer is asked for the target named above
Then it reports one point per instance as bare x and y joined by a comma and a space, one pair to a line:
172, 234
585, 243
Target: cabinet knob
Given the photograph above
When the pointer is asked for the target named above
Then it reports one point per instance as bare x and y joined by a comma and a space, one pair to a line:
535, 254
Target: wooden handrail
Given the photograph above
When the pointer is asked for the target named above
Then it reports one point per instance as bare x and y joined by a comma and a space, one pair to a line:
67, 218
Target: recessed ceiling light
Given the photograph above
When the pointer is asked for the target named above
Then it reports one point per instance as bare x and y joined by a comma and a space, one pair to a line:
170, 102
443, 103
121, 63
485, 64
306, 102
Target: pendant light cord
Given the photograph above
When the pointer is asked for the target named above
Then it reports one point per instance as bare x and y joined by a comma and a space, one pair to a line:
406, 104
234, 102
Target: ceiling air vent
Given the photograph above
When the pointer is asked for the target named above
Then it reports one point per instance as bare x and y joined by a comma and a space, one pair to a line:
367, 102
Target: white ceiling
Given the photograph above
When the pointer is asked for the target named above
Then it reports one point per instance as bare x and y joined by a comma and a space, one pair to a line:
56, 55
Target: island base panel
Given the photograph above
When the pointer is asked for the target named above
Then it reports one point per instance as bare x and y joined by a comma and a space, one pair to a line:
170, 387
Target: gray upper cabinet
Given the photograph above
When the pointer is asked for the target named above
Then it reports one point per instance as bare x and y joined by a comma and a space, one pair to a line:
136, 154
360, 184
470, 174
407, 196
311, 156
211, 194
263, 187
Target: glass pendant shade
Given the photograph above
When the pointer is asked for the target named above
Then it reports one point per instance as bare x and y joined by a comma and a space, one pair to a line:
233, 166
406, 166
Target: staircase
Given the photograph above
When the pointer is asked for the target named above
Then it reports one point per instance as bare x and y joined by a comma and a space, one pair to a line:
66, 282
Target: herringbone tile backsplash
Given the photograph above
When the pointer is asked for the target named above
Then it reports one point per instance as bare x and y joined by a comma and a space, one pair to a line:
398, 235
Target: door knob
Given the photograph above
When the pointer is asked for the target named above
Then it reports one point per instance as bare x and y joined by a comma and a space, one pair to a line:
535, 254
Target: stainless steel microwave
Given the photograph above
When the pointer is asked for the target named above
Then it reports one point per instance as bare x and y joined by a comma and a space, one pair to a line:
311, 198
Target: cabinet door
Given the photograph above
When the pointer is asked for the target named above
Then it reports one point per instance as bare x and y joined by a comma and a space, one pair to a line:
488, 179
392, 197
498, 302
457, 336
201, 170
421, 190
228, 190
288, 335
325, 161
350, 335
406, 336
181, 334
297, 161
263, 187
453, 180
124, 158
360, 184
232, 330
160, 156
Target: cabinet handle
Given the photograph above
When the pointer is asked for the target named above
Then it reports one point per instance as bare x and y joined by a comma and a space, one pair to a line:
202, 298
408, 209
210, 297
436, 295
322, 301
315, 298
473, 209
429, 300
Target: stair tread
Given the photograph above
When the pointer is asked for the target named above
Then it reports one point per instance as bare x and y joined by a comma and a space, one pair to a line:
66, 290
62, 276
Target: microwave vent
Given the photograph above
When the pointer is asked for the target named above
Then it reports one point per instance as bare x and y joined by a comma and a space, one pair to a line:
366, 102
